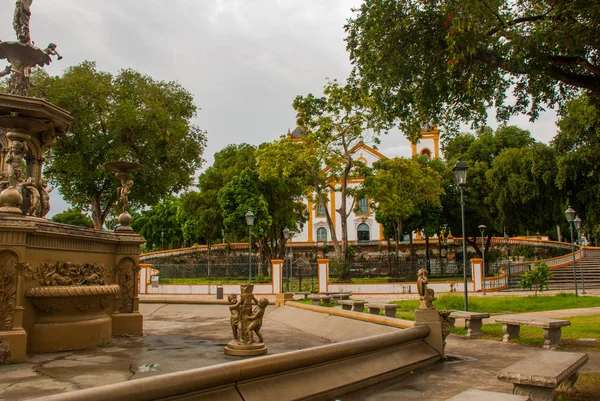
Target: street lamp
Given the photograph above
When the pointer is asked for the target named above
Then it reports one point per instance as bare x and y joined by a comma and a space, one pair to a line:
482, 229
162, 240
570, 214
250, 222
578, 222
460, 177
287, 235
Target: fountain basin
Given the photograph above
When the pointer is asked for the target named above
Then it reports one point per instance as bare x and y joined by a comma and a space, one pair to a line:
70, 317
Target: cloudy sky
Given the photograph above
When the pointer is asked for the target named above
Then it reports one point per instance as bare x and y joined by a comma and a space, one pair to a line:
243, 60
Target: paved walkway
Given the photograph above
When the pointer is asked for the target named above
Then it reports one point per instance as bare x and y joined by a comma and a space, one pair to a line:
211, 299
179, 337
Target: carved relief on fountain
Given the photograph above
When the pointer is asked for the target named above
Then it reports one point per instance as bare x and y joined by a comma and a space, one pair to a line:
63, 284
127, 272
10, 269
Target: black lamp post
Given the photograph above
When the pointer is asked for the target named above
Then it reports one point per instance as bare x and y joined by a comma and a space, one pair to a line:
460, 177
570, 214
578, 223
482, 229
250, 222
287, 235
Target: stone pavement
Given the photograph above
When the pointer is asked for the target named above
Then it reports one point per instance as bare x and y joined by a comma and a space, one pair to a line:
185, 336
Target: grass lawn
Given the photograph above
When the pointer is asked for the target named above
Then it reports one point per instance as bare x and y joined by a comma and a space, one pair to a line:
508, 304
587, 386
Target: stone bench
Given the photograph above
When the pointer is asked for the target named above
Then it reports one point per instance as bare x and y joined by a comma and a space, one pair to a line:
388, 309
539, 376
473, 321
349, 304
480, 395
511, 325
337, 296
316, 300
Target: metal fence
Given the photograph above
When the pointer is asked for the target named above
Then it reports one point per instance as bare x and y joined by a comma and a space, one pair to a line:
391, 270
300, 276
209, 273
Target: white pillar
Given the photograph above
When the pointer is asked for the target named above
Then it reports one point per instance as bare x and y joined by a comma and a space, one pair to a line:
144, 277
477, 273
323, 274
277, 270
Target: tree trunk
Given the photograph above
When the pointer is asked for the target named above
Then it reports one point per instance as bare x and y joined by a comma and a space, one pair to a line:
99, 216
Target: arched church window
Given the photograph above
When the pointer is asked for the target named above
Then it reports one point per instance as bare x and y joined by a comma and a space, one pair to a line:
321, 234
363, 233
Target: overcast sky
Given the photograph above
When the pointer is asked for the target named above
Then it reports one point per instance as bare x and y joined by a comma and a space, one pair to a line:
243, 60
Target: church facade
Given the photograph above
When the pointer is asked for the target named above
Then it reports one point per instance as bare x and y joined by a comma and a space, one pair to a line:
362, 226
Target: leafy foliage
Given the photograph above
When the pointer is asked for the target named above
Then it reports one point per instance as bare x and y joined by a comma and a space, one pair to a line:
74, 217
577, 146
161, 225
448, 61
131, 117
402, 188
537, 277
335, 123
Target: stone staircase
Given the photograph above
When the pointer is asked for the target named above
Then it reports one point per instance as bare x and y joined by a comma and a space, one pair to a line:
562, 277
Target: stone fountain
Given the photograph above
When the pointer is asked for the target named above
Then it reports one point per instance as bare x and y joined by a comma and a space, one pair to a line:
61, 287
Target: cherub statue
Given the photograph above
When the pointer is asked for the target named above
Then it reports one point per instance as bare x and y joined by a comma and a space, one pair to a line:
45, 197
255, 320
123, 192
35, 204
236, 320
51, 51
16, 156
3, 181
422, 287
21, 20
5, 71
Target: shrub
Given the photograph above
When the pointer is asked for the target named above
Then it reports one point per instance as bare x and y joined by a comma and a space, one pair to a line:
537, 277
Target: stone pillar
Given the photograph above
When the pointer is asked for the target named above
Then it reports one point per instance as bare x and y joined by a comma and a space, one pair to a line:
431, 318
323, 275
277, 270
477, 274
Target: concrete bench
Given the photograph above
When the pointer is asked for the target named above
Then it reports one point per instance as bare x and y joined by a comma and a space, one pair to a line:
349, 304
479, 395
337, 296
388, 309
540, 375
305, 294
316, 300
511, 325
473, 321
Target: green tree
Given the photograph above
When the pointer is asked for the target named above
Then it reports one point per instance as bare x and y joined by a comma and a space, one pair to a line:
205, 208
240, 195
128, 116
401, 188
161, 225
74, 217
335, 124
577, 145
523, 192
479, 151
537, 277
448, 61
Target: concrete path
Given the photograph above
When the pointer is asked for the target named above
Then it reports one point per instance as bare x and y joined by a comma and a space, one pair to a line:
185, 336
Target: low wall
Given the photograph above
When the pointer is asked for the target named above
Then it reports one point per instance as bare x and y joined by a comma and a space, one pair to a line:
331, 370
397, 288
